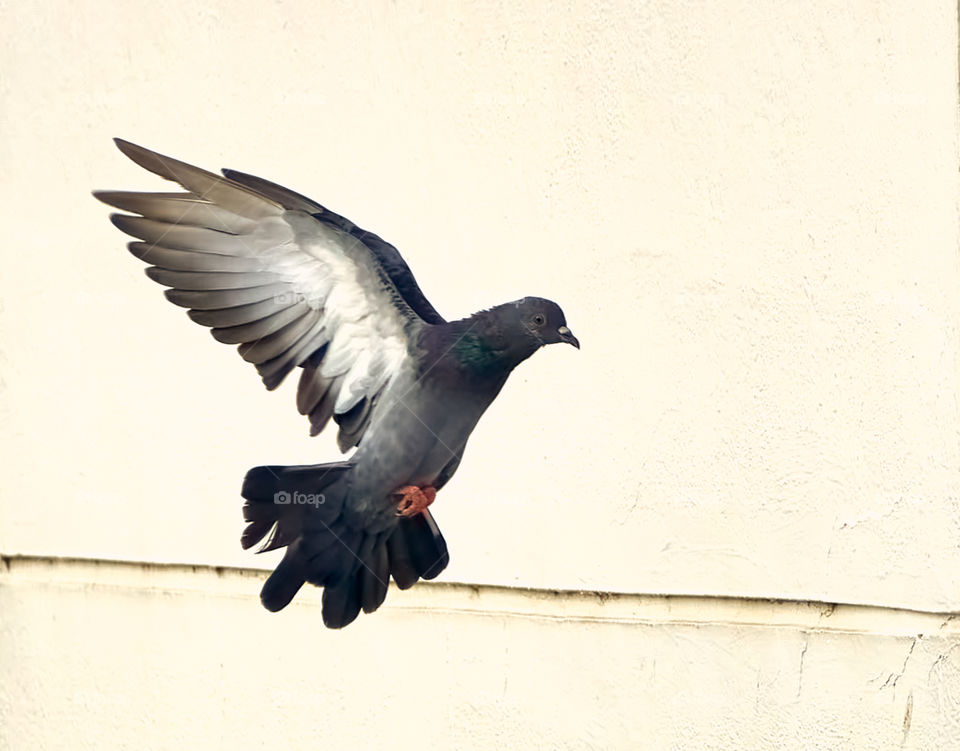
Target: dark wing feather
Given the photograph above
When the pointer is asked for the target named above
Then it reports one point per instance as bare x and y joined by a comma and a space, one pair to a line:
388, 256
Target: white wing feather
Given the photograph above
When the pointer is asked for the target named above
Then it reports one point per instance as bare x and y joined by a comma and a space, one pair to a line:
295, 286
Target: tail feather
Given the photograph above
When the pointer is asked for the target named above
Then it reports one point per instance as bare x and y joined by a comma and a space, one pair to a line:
285, 581
336, 554
341, 603
281, 535
255, 531
401, 564
263, 482
342, 599
374, 577
272, 502
418, 550
353, 566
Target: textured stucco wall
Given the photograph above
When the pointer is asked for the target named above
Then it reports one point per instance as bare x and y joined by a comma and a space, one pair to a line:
749, 213
120, 656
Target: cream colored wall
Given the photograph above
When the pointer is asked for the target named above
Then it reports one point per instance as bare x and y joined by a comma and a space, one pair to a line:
124, 656
750, 216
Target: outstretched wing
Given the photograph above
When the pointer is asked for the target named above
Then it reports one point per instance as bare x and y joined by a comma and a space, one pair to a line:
351, 424
386, 254
258, 265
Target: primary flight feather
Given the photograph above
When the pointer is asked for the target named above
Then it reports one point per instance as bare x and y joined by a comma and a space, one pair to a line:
298, 286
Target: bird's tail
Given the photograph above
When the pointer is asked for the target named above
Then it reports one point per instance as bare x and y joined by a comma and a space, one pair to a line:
301, 508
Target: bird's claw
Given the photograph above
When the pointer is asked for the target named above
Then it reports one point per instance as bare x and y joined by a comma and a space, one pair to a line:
414, 500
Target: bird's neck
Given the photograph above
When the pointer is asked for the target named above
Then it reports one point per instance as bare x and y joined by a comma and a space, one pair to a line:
485, 344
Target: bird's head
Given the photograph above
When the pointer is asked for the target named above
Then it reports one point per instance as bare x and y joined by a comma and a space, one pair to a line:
544, 321
499, 339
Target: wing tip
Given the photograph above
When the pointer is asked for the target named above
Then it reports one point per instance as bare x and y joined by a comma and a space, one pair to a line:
128, 148
139, 249
121, 222
173, 296
103, 195
157, 274
152, 161
133, 151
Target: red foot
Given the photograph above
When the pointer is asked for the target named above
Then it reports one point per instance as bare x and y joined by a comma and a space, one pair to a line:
414, 500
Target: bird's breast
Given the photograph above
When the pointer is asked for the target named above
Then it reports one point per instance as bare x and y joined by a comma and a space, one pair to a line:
417, 431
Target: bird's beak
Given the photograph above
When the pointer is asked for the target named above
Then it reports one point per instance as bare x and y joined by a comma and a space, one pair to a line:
566, 335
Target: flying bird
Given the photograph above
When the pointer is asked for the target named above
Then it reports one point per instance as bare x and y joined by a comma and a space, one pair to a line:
298, 286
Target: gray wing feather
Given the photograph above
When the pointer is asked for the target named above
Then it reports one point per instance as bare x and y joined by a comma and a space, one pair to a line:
251, 261
223, 317
185, 260
218, 299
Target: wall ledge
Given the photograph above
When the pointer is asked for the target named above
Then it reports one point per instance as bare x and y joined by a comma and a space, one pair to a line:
493, 601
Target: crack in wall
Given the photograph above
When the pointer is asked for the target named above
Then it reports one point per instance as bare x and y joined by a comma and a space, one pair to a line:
893, 678
803, 655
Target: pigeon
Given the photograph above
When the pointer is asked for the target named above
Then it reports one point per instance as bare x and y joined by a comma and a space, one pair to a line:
298, 286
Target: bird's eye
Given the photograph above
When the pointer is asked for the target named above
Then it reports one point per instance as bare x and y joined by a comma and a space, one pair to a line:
539, 319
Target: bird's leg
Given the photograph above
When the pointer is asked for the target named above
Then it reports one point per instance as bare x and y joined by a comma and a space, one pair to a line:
414, 500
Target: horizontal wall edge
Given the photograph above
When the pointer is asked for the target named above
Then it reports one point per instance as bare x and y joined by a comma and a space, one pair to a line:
494, 601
